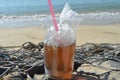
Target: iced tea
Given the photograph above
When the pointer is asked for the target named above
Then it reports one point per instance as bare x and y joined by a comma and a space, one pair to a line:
59, 61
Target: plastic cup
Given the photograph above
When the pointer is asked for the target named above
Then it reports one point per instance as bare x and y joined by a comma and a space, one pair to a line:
59, 53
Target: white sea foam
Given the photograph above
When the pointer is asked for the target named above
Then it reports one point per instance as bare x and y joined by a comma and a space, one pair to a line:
85, 18
13, 18
100, 18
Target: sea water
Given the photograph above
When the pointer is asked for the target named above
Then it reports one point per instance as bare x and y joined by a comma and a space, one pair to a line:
23, 13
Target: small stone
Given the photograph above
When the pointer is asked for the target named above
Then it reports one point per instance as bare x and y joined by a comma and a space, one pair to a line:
111, 64
114, 75
92, 69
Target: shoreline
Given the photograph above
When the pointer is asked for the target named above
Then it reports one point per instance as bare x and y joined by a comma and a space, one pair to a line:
85, 33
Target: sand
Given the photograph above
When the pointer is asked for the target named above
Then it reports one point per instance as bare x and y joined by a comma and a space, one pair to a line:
85, 33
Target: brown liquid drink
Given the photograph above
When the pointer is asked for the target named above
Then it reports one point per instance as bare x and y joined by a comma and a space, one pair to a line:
59, 61
59, 53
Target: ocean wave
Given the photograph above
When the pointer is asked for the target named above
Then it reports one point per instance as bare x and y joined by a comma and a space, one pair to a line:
13, 18
100, 18
86, 18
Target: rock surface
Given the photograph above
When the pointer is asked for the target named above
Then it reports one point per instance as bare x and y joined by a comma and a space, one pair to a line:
101, 61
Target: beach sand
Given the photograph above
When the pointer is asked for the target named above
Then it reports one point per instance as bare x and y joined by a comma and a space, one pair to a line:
85, 33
